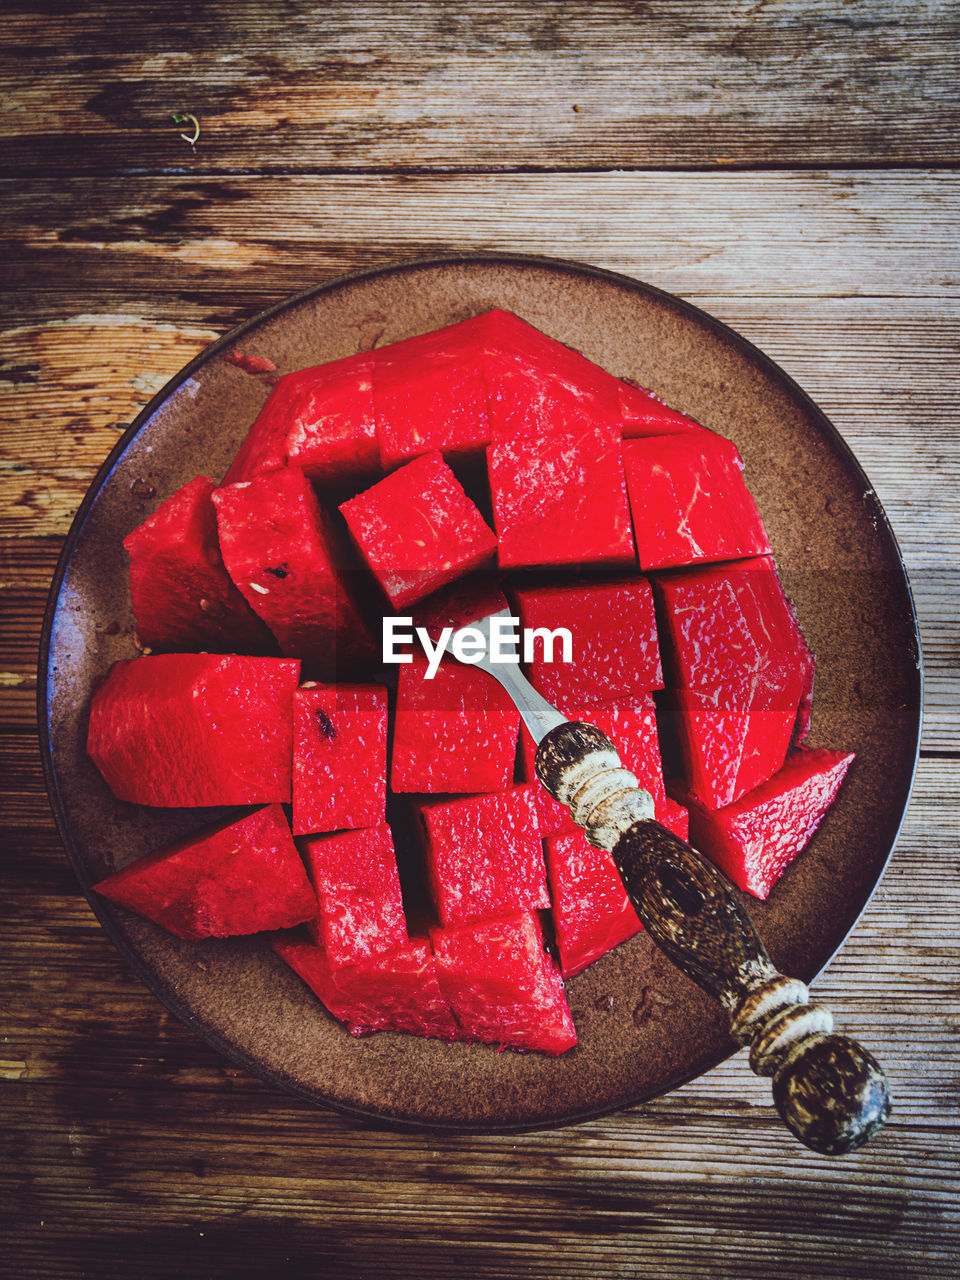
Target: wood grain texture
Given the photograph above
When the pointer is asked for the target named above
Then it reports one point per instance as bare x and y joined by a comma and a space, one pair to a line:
340, 136
457, 85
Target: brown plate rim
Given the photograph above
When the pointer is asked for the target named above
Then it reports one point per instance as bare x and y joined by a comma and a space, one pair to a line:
131, 956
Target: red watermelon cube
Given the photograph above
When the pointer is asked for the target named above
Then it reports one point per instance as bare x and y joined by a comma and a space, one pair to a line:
689, 501
592, 912
756, 838
321, 420
484, 856
536, 384
183, 598
418, 530
281, 549
645, 414
355, 877
559, 496
393, 991
430, 394
501, 984
185, 729
740, 669
454, 733
339, 756
460, 604
237, 879
613, 631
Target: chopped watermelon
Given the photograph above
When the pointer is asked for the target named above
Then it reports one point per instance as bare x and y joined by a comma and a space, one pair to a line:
281, 549
394, 991
559, 496
484, 855
689, 501
183, 598
430, 394
535, 384
645, 414
418, 530
502, 985
740, 670
355, 877
237, 879
184, 729
613, 631
756, 838
592, 912
319, 419
460, 604
339, 756
454, 733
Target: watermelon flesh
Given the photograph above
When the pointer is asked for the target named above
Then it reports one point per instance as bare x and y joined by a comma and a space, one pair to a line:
393, 991
418, 530
689, 501
339, 757
454, 733
740, 674
484, 856
237, 879
643, 413
559, 496
180, 729
281, 549
501, 984
756, 838
357, 884
183, 598
321, 420
613, 631
592, 913
430, 394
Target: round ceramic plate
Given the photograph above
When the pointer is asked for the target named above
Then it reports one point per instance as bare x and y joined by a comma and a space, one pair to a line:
643, 1027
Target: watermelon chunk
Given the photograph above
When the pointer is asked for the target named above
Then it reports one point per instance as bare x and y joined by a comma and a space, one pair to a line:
183, 598
460, 604
689, 501
645, 414
280, 548
559, 496
320, 419
592, 912
454, 733
339, 756
756, 838
631, 725
418, 530
484, 856
237, 879
741, 671
355, 877
430, 394
502, 986
535, 383
184, 729
614, 639
394, 991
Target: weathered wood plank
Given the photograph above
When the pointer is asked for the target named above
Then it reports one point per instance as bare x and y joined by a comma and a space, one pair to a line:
456, 85
843, 233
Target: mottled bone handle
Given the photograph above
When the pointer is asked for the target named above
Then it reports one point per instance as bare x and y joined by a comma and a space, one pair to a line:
829, 1091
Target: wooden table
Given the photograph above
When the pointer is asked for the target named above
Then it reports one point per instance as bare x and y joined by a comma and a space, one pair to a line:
788, 167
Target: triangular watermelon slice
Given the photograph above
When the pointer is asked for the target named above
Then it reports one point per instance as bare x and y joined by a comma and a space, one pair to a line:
237, 879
